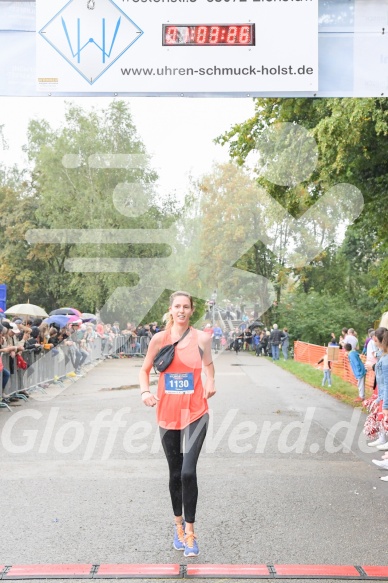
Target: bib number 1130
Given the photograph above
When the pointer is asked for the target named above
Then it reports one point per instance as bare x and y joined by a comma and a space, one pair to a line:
179, 383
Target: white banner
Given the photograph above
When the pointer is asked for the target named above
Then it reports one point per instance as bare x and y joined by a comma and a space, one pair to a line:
162, 46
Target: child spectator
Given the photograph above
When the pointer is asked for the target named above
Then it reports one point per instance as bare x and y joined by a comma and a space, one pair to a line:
358, 369
326, 370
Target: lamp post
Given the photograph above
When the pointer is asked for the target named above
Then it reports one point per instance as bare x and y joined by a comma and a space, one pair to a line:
214, 299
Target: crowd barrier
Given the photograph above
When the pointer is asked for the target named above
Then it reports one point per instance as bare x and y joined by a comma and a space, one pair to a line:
54, 366
127, 345
311, 353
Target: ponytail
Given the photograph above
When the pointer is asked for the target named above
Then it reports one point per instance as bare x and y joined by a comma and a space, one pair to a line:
170, 321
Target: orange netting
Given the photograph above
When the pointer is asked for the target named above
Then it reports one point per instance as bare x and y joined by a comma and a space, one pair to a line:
311, 353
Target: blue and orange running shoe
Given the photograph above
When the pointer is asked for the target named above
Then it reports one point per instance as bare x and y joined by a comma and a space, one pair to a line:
191, 545
179, 536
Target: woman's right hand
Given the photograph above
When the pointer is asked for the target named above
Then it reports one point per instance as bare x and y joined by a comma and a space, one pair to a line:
149, 399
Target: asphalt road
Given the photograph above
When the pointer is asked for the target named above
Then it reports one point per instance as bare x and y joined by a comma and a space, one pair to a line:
284, 477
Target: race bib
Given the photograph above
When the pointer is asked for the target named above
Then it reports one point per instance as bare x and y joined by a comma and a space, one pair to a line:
179, 383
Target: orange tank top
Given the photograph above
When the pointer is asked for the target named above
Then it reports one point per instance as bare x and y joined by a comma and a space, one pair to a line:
176, 411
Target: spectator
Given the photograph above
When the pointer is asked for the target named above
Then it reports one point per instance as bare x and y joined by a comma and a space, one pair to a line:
33, 343
381, 441
154, 328
333, 338
128, 330
238, 341
77, 353
116, 328
53, 337
12, 342
90, 334
263, 344
247, 339
358, 369
372, 350
351, 339
217, 335
275, 339
256, 341
341, 340
44, 333
285, 342
381, 339
369, 337
231, 338
5, 349
326, 369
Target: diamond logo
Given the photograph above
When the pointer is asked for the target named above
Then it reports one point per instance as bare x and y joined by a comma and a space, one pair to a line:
91, 40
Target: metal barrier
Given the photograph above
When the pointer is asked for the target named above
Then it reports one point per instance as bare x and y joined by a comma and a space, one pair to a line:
53, 366
46, 367
129, 345
311, 353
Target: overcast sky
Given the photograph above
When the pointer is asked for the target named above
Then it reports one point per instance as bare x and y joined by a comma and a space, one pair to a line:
177, 132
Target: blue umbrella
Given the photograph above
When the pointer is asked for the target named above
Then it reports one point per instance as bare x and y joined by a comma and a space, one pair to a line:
57, 319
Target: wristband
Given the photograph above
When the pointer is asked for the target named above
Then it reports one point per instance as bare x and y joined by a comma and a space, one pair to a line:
142, 393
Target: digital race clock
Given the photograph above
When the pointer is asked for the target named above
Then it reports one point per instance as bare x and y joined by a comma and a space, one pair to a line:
208, 35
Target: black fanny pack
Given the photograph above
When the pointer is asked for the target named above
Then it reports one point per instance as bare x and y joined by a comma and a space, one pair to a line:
166, 354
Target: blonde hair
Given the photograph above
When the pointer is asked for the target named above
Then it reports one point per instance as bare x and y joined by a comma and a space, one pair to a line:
169, 318
384, 320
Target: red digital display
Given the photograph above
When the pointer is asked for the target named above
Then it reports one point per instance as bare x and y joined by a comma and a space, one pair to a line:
208, 35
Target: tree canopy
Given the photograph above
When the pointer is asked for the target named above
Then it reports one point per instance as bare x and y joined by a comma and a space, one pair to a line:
66, 189
352, 141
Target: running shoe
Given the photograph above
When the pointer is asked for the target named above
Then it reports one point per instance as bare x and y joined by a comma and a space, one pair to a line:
382, 446
179, 536
379, 441
191, 546
383, 464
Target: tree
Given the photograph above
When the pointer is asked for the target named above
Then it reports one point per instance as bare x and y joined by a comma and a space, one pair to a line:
351, 135
312, 317
74, 185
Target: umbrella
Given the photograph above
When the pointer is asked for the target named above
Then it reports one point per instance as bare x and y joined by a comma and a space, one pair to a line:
74, 311
73, 319
88, 317
27, 310
66, 312
59, 320
256, 324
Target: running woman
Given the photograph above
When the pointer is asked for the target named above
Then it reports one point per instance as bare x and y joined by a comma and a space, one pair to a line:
181, 411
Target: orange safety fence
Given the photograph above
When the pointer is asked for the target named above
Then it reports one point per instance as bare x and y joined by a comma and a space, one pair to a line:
311, 353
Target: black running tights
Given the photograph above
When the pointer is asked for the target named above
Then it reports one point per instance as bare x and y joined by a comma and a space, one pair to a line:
182, 448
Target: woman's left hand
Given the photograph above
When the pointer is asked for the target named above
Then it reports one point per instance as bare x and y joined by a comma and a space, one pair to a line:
210, 389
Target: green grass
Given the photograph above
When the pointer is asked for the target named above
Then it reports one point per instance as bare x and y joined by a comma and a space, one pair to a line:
340, 389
